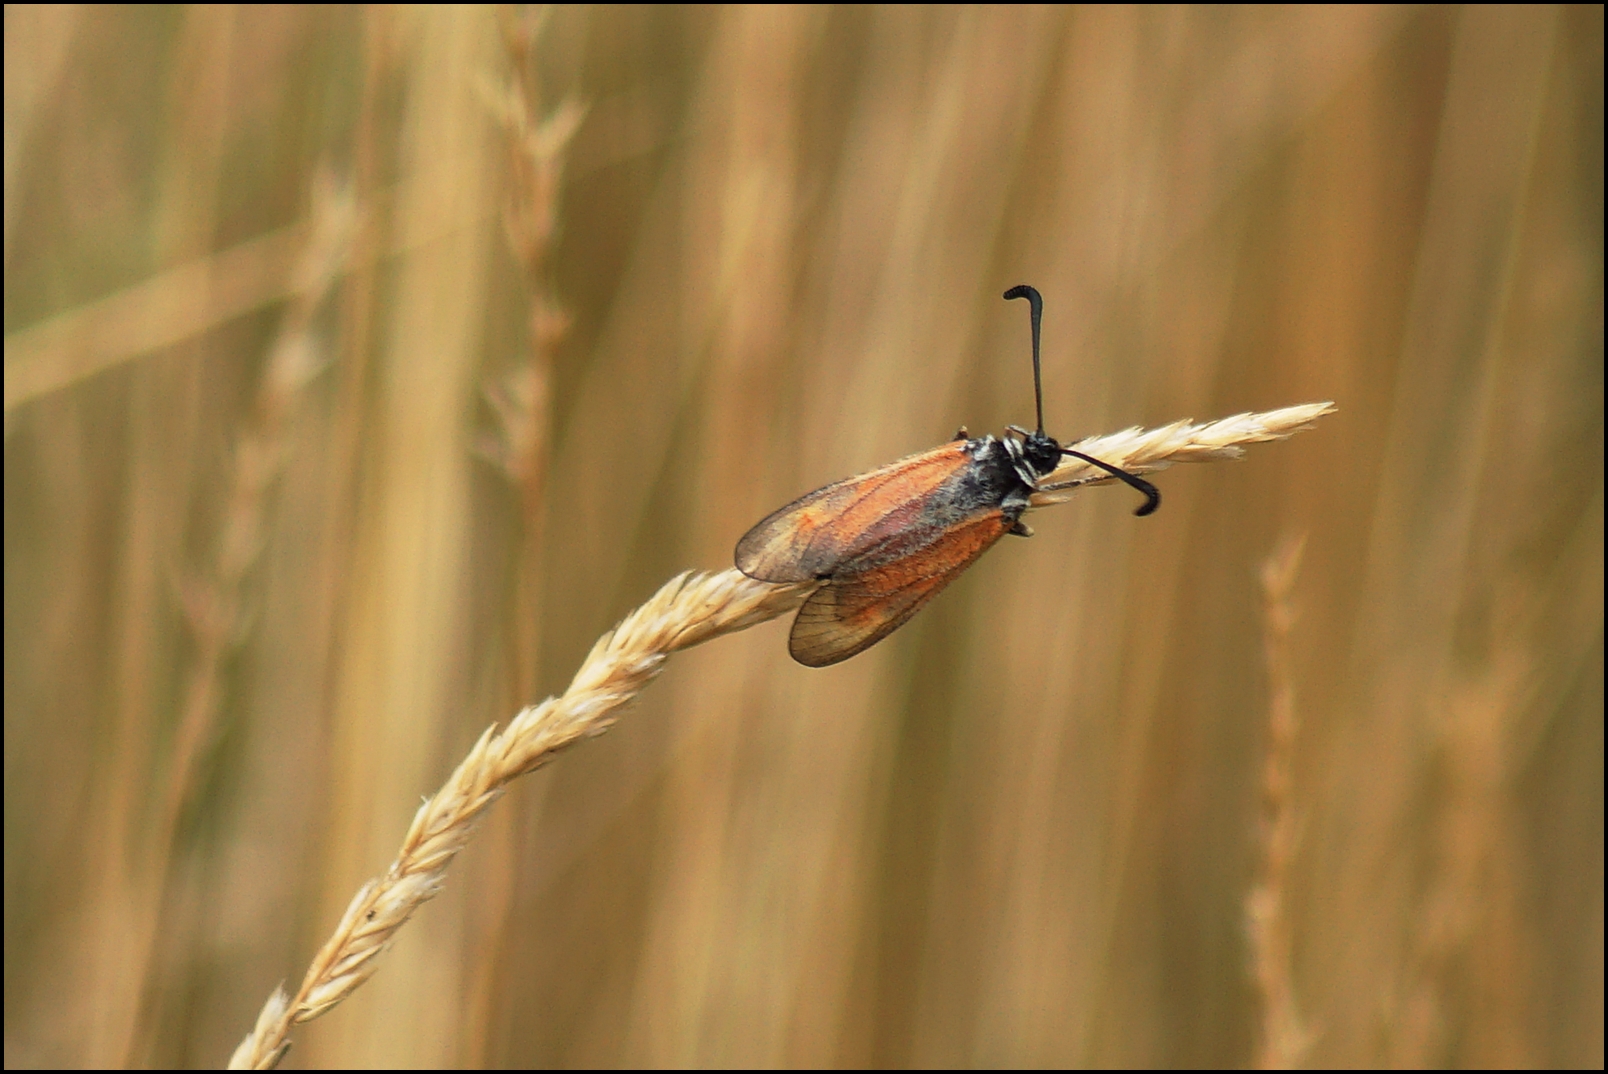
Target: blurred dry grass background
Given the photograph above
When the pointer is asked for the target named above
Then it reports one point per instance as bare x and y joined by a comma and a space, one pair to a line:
347, 400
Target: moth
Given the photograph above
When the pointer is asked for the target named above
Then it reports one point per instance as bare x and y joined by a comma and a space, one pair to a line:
884, 543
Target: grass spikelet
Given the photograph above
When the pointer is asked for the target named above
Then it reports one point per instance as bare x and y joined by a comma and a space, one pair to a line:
1146, 451
689, 609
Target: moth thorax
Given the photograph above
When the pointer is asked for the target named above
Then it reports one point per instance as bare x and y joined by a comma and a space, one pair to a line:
1033, 457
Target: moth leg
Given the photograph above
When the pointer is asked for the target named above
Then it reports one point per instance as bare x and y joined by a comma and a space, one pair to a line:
1061, 486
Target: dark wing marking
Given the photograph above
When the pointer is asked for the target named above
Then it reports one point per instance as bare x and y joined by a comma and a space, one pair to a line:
855, 609
817, 533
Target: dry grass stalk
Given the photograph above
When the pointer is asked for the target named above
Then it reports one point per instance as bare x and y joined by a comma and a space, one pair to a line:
1461, 947
1284, 1040
212, 602
691, 608
177, 305
153, 315
211, 597
537, 142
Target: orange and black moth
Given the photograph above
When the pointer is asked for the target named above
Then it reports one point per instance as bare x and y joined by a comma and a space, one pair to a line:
883, 543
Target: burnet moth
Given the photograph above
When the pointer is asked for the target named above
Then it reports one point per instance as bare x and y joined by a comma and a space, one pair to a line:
884, 543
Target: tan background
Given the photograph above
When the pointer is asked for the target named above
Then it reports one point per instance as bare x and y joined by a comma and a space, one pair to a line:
266, 578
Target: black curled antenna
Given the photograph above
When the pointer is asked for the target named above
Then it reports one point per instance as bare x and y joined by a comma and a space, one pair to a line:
1035, 302
1152, 494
